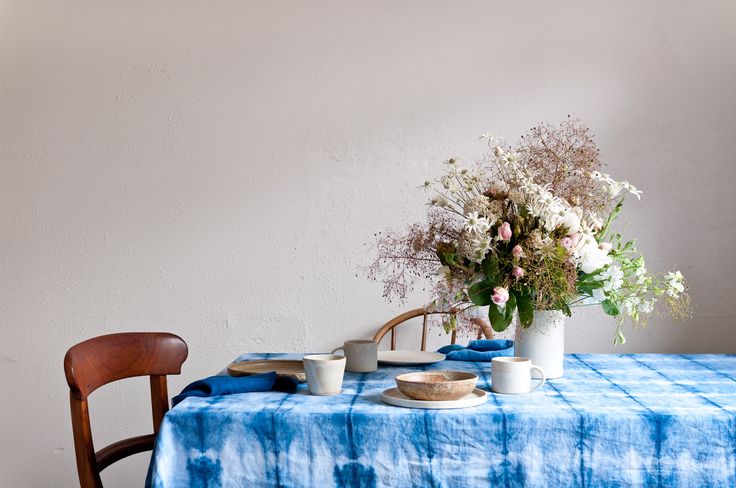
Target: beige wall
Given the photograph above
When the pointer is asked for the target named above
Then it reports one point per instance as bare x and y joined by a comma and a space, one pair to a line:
215, 168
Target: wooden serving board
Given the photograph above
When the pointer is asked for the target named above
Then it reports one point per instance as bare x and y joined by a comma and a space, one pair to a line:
283, 367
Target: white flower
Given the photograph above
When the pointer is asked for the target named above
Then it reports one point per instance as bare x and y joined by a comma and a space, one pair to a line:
613, 187
475, 247
631, 305
567, 218
588, 256
498, 151
646, 306
481, 247
490, 137
612, 278
598, 297
632, 189
641, 275
675, 285
476, 224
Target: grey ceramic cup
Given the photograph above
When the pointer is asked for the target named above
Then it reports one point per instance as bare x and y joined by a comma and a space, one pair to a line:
361, 355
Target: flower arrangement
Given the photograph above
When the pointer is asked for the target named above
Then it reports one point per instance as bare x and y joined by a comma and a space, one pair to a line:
528, 228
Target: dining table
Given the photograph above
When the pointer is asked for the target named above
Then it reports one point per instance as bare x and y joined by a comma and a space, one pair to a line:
640, 420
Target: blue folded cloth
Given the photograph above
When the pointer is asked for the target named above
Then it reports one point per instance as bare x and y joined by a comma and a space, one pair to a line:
478, 350
227, 385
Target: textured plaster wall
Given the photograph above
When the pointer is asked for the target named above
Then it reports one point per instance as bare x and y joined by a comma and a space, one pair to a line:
215, 168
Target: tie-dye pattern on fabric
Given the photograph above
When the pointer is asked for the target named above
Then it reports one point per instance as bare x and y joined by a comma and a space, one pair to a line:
640, 420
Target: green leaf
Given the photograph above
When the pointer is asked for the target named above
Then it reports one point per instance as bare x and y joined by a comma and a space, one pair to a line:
584, 277
629, 246
501, 317
447, 253
602, 233
588, 288
450, 324
490, 269
480, 293
619, 338
525, 305
610, 307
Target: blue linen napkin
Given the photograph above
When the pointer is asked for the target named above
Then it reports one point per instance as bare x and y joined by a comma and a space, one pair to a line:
227, 385
479, 350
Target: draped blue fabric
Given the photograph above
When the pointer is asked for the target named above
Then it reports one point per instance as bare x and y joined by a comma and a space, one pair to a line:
478, 350
226, 385
612, 420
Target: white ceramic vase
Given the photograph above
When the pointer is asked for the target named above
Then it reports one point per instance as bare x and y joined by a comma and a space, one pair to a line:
543, 342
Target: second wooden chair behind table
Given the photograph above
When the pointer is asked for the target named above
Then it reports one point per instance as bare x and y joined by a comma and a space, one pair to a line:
484, 329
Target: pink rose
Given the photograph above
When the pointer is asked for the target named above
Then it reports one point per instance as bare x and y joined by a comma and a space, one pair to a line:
500, 295
517, 251
504, 232
517, 272
605, 246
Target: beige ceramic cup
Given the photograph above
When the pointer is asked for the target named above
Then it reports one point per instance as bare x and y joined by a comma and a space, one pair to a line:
513, 375
324, 373
362, 355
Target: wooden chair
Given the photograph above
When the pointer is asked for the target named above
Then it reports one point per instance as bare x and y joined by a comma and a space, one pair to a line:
483, 328
102, 360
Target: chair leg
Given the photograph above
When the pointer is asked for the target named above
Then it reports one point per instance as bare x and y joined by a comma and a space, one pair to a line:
483, 328
89, 476
159, 400
424, 333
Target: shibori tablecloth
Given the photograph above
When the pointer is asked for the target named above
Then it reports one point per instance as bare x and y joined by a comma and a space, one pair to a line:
613, 420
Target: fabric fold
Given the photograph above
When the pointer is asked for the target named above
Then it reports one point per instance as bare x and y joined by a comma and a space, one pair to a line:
228, 385
481, 350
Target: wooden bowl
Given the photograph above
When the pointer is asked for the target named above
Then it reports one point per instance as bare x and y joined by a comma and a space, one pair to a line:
436, 385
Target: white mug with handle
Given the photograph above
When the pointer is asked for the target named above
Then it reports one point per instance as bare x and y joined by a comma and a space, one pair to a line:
513, 375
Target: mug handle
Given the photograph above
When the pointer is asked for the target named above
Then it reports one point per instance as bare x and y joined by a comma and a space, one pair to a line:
341, 348
544, 376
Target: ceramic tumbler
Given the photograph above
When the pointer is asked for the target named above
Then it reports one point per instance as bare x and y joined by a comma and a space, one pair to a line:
324, 373
361, 355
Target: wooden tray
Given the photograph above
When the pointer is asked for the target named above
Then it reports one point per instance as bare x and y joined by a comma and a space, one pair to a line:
283, 367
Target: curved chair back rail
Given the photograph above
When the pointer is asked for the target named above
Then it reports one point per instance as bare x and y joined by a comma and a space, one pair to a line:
390, 326
105, 359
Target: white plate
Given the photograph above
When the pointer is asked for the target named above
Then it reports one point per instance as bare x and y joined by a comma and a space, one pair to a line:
409, 358
393, 396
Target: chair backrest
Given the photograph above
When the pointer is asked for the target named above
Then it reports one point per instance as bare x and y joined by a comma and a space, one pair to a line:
390, 326
102, 360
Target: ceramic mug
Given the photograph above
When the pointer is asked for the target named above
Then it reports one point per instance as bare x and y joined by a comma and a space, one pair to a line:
362, 355
514, 375
324, 373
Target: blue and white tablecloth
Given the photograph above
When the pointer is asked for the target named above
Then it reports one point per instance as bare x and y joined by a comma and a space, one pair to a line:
612, 420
